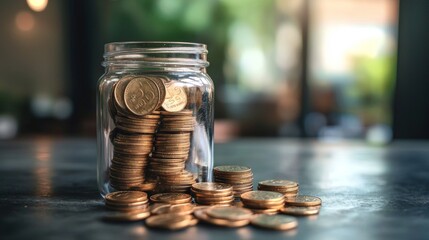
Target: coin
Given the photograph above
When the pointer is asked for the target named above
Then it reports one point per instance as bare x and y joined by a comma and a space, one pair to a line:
212, 187
170, 221
118, 92
232, 168
141, 96
202, 215
126, 196
147, 186
182, 209
230, 213
262, 196
175, 99
278, 183
300, 211
303, 201
276, 222
172, 198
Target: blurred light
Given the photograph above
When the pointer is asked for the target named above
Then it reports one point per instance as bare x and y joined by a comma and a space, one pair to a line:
24, 21
379, 134
62, 108
41, 106
8, 127
37, 5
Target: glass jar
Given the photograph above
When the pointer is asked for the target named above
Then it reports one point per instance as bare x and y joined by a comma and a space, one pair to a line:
154, 117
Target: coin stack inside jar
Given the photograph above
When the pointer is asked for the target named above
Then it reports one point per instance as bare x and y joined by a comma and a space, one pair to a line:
142, 107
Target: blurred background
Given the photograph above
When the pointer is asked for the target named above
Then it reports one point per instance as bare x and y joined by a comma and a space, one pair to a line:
325, 69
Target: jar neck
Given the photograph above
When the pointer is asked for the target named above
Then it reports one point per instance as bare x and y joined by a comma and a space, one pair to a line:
155, 56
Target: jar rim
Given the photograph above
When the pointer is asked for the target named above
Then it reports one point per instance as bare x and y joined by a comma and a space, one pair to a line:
155, 53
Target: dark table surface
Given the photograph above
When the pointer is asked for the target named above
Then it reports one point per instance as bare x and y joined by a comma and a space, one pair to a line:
48, 190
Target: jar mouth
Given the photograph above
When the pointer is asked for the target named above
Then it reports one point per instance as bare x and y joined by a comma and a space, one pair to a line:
155, 54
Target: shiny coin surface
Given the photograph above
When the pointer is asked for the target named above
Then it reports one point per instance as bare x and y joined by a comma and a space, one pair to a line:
141, 96
230, 213
175, 99
212, 187
202, 215
170, 221
303, 201
173, 198
126, 196
265, 196
276, 222
300, 211
278, 183
232, 169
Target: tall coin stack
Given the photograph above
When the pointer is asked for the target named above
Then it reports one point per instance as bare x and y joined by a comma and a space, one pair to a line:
171, 150
240, 177
142, 107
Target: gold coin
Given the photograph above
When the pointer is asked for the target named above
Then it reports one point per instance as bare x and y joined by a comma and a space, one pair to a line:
128, 216
118, 92
276, 222
212, 187
262, 196
202, 215
300, 211
126, 196
175, 99
169, 221
230, 213
172, 198
232, 169
278, 183
303, 201
141, 96
182, 209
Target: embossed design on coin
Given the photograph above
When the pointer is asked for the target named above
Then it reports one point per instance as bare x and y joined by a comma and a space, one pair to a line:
141, 96
175, 98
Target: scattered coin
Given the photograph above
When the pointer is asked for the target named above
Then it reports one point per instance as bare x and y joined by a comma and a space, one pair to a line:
230, 213
170, 221
202, 215
276, 222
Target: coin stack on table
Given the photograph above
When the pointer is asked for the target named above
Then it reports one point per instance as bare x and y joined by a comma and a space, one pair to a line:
209, 193
129, 206
144, 108
225, 216
288, 188
263, 201
240, 177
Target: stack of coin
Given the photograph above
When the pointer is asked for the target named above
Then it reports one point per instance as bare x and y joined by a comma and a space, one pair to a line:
127, 201
302, 205
225, 216
263, 201
208, 193
171, 151
288, 188
171, 221
240, 177
164, 208
171, 198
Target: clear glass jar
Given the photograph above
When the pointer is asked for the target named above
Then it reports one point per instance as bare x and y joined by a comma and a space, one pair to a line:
154, 117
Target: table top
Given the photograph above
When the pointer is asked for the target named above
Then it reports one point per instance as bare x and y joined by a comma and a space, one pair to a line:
48, 190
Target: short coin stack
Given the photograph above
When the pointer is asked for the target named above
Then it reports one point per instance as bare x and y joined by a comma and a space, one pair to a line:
208, 193
240, 177
302, 205
263, 201
225, 216
130, 205
288, 188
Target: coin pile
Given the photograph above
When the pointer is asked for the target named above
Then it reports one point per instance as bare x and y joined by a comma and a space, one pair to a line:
240, 177
263, 201
288, 188
127, 201
152, 138
209, 193
225, 216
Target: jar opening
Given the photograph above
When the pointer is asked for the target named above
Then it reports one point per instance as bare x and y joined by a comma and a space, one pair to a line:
155, 54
